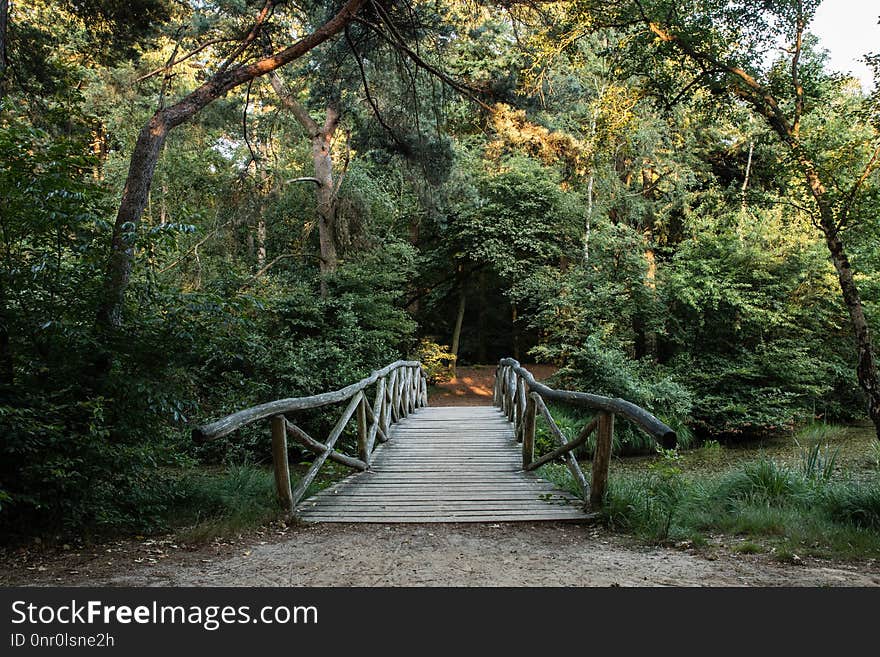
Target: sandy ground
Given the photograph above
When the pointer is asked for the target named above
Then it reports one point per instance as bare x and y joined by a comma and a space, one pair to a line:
507, 554
472, 386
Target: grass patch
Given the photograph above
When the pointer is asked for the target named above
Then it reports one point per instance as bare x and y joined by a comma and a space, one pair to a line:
559, 476
771, 507
748, 547
228, 502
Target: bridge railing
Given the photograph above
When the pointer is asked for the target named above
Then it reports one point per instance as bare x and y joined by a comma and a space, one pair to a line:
522, 398
401, 387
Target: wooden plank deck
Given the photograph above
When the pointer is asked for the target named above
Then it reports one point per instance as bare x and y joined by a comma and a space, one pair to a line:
445, 464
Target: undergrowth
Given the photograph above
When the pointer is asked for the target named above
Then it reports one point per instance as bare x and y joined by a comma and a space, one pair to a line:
770, 507
221, 504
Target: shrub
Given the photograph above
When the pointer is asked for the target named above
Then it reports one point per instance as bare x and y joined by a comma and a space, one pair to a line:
762, 482
438, 361
857, 504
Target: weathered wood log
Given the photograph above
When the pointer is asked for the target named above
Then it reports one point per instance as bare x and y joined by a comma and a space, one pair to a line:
570, 460
392, 397
520, 407
378, 417
571, 445
639, 416
237, 420
528, 433
310, 443
373, 417
511, 388
279, 462
601, 458
379, 405
363, 434
328, 448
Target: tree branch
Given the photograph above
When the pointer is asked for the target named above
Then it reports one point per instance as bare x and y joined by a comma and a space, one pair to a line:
299, 112
366, 85
795, 62
421, 63
264, 14
174, 63
870, 167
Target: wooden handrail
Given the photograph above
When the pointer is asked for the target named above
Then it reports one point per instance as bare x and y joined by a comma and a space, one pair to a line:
402, 388
237, 420
636, 414
522, 398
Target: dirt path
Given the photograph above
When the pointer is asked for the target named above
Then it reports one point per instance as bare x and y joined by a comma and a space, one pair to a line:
523, 554
472, 386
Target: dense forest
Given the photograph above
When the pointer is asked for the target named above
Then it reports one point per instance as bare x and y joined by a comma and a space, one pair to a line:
206, 205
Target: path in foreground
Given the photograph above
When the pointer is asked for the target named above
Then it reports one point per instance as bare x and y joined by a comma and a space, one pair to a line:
503, 554
447, 464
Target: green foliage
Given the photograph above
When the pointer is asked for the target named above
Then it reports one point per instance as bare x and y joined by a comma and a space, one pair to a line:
226, 503
597, 368
776, 509
857, 504
666, 489
818, 462
762, 483
438, 361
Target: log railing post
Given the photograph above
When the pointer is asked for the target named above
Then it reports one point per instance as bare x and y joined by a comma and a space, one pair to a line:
521, 402
392, 397
363, 433
601, 458
279, 462
528, 434
379, 406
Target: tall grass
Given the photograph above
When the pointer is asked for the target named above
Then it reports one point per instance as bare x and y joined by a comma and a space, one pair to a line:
787, 510
221, 504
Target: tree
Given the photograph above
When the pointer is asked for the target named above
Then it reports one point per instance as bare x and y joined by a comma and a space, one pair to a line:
4, 21
153, 135
722, 45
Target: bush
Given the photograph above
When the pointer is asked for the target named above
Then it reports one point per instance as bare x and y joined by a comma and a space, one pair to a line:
857, 504
762, 482
438, 361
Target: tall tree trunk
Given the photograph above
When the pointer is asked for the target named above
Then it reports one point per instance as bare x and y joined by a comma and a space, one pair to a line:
745, 185
483, 324
459, 319
261, 236
514, 331
588, 223
7, 363
135, 196
322, 162
326, 193
142, 166
414, 235
866, 367
4, 23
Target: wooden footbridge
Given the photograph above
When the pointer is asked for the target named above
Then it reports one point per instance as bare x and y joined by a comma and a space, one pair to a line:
418, 463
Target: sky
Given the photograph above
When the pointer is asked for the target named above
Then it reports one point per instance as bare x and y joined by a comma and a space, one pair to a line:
848, 30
